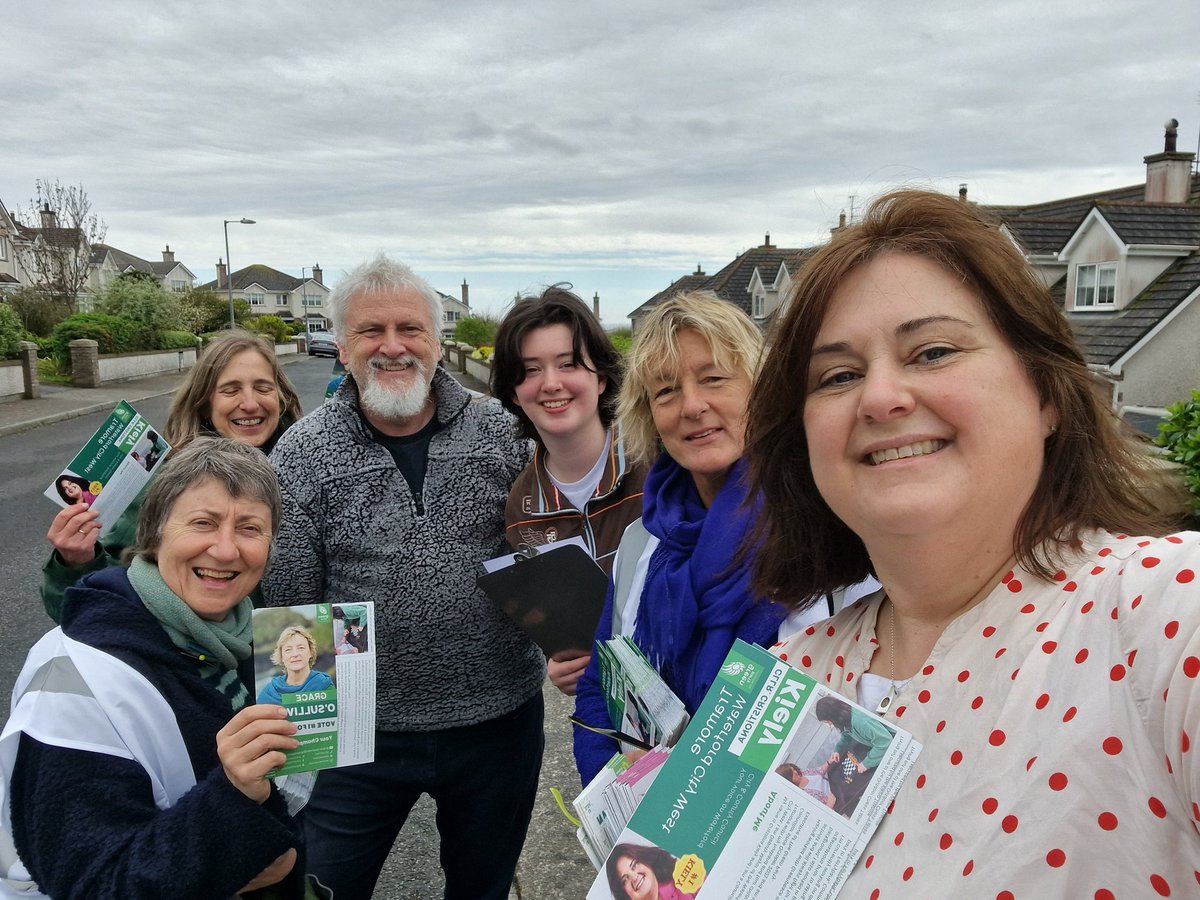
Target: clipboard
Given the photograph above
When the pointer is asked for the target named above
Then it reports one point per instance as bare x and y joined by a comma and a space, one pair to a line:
554, 597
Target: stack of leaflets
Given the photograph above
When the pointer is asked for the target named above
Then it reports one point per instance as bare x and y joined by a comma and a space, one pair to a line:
607, 803
639, 702
113, 466
755, 800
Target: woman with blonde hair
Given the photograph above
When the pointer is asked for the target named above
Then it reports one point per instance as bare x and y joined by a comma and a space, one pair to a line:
295, 653
235, 390
681, 586
926, 415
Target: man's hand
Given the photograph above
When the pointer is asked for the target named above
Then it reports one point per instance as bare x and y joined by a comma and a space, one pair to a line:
74, 533
251, 744
272, 874
565, 669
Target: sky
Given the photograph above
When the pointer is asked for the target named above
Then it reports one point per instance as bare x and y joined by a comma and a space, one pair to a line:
616, 146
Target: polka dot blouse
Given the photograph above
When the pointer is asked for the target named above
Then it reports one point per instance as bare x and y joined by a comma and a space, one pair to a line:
1058, 721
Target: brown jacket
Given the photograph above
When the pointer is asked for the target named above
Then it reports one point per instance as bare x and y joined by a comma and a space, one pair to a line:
537, 513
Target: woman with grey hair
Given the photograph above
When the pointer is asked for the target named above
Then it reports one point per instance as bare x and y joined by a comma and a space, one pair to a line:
135, 761
681, 585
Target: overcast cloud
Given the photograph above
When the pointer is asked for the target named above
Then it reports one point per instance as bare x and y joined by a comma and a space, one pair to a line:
613, 145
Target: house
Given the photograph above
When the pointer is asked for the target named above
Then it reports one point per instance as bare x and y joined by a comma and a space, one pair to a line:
756, 282
1125, 265
10, 271
270, 292
454, 310
109, 263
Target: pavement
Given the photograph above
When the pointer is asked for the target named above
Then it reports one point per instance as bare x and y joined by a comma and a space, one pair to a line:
552, 865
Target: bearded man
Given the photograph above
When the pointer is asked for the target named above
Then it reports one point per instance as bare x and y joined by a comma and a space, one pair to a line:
394, 491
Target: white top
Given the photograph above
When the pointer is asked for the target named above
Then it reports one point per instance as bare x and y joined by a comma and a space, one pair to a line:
578, 493
1058, 721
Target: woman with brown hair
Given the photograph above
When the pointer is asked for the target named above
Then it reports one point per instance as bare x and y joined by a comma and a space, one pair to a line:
925, 415
236, 390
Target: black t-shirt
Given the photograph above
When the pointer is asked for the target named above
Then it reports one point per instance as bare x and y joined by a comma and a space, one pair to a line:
411, 453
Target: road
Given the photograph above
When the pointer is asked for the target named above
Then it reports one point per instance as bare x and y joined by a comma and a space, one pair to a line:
552, 865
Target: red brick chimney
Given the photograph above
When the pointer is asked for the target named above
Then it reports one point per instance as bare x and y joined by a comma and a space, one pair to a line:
317, 275
466, 294
168, 254
1169, 174
221, 276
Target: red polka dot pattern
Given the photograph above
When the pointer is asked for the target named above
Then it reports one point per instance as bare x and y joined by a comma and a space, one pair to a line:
1088, 659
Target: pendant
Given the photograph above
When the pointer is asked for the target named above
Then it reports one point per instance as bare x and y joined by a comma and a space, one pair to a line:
886, 703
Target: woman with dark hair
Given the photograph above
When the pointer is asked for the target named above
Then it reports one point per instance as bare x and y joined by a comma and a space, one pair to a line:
926, 415
236, 390
556, 370
134, 762
74, 489
637, 872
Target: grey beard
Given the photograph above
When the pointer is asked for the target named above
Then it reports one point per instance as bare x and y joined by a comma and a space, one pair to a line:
395, 403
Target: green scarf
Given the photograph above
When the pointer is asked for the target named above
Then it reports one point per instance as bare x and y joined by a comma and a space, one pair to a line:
218, 645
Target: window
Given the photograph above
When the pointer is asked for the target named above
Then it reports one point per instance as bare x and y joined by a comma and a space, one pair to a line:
256, 299
312, 300
452, 315
3, 247
1095, 285
281, 299
759, 305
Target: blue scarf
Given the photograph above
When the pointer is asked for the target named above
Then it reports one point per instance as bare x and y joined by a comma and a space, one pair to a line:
697, 590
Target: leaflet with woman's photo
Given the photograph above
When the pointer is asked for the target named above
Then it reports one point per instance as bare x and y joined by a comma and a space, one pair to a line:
113, 466
318, 662
773, 790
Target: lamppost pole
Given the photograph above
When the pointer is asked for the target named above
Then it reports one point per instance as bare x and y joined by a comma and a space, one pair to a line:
229, 265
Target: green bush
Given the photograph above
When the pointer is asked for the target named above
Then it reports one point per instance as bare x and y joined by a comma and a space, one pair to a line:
176, 340
475, 331
39, 312
272, 327
1179, 433
141, 300
12, 332
112, 333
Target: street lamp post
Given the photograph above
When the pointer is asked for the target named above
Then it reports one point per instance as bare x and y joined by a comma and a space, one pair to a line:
229, 265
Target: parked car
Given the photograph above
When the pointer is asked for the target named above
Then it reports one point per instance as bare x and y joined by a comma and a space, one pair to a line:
339, 374
322, 343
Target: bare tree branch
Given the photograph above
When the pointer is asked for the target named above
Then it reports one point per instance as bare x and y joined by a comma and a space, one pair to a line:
55, 239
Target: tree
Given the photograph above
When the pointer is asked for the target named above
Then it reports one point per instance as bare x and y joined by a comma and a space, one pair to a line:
1179, 433
475, 331
39, 313
142, 299
54, 246
203, 311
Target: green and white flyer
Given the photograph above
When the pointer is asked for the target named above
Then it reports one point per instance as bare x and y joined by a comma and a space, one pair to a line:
113, 466
773, 790
317, 661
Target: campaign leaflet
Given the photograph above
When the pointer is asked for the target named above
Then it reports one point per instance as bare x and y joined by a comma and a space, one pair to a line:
760, 797
113, 466
318, 662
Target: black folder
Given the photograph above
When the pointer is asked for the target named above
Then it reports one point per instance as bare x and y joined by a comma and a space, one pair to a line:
554, 596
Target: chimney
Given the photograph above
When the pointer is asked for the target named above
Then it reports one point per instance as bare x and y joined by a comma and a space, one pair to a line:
962, 193
221, 276
168, 254
842, 219
466, 294
699, 271
596, 305
49, 217
317, 274
1169, 174
767, 240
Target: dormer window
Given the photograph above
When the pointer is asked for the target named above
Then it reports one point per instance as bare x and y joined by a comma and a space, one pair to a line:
759, 304
1095, 285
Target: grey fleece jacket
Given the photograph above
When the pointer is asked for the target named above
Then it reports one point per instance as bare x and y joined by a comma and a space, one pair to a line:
352, 531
